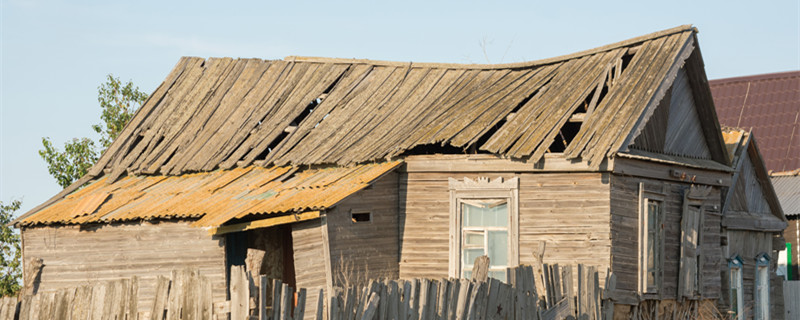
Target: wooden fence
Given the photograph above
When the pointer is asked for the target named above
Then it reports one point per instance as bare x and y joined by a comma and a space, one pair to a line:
546, 292
478, 298
791, 298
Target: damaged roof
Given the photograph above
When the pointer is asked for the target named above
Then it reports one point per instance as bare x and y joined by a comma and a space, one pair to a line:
221, 115
751, 201
769, 105
213, 197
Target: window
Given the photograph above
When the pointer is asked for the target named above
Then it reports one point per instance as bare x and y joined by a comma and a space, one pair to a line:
692, 220
483, 221
761, 293
484, 231
651, 240
360, 217
736, 284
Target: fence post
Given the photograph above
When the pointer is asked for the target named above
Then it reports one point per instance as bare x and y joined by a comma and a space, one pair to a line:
262, 298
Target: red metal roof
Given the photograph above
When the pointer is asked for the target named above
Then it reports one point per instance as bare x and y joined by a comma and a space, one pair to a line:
769, 104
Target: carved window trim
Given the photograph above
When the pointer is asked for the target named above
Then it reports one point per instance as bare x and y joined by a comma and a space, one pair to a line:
482, 188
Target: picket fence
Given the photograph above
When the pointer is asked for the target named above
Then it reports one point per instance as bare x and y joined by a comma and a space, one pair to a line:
545, 292
479, 297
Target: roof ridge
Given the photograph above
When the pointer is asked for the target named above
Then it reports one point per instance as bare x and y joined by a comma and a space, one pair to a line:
608, 47
755, 77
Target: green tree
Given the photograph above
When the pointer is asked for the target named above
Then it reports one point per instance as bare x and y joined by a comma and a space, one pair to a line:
11, 254
118, 101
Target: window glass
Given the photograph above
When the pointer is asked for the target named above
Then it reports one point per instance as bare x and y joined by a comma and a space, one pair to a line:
736, 296
652, 244
484, 227
498, 248
762, 287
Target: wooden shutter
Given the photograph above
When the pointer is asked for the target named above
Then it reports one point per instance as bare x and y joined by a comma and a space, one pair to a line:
689, 280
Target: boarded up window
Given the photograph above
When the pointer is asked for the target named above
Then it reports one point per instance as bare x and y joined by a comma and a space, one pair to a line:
651, 240
689, 281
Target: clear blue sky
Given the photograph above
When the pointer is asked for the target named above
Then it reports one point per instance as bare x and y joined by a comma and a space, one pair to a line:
54, 54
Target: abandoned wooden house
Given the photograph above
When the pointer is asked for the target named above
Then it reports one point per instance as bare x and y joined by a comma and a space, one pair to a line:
769, 105
324, 172
752, 225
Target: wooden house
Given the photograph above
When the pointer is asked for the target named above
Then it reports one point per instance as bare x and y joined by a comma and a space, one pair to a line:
769, 105
325, 172
752, 231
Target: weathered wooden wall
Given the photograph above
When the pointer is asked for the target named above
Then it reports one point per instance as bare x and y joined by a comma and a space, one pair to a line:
569, 211
309, 261
625, 241
75, 256
365, 250
748, 245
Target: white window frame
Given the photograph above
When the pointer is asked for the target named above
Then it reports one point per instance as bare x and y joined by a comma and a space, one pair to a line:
645, 198
482, 189
761, 298
736, 271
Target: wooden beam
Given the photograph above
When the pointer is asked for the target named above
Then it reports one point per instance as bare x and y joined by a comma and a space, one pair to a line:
264, 223
493, 163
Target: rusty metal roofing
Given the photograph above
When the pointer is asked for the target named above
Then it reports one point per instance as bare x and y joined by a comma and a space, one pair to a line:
787, 186
769, 104
212, 197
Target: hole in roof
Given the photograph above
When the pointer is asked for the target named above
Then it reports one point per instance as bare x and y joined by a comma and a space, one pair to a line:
489, 133
433, 148
264, 153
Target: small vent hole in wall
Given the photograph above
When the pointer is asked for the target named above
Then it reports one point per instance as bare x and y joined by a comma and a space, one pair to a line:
361, 217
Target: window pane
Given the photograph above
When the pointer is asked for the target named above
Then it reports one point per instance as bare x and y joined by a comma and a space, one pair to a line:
484, 214
467, 274
472, 216
473, 239
499, 216
498, 248
469, 257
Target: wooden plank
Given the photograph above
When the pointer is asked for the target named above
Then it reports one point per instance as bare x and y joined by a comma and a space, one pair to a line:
262, 298
320, 305
277, 290
240, 293
372, 307
265, 223
300, 309
480, 269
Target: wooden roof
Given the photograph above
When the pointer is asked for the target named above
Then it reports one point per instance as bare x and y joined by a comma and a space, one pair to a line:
222, 113
226, 113
751, 202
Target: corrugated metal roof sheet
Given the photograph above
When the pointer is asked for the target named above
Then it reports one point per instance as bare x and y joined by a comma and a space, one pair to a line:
770, 105
787, 187
213, 197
